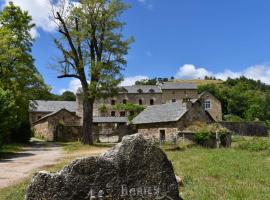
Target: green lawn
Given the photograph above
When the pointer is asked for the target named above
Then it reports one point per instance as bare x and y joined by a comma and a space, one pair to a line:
218, 174
222, 174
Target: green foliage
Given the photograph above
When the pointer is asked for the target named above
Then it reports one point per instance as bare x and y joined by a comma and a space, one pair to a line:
202, 137
8, 116
255, 144
133, 109
103, 109
232, 118
17, 71
246, 98
67, 96
153, 81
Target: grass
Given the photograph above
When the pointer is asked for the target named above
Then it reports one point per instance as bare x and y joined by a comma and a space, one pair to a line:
208, 174
10, 149
199, 82
223, 174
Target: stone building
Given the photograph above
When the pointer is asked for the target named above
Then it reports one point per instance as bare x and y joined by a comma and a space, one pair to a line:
108, 119
50, 127
165, 121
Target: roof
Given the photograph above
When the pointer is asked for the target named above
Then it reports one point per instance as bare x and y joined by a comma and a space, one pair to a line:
161, 113
52, 106
142, 89
54, 113
110, 119
182, 86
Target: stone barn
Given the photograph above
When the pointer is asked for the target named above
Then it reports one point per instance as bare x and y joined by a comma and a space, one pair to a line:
165, 121
54, 126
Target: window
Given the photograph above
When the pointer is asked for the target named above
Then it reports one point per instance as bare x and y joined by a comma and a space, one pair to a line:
124, 101
173, 100
140, 102
152, 91
207, 105
140, 90
112, 102
113, 114
151, 101
122, 114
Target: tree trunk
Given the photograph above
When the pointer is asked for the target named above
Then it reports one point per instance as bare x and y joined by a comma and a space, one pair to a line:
87, 131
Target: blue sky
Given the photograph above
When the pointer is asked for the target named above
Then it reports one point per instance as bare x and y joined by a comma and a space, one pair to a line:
186, 39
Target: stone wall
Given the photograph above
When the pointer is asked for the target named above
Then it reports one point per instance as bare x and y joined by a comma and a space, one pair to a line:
47, 128
43, 131
216, 107
195, 114
35, 116
68, 133
178, 95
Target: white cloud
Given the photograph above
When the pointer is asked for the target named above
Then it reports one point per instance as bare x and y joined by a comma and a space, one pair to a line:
40, 12
74, 84
131, 80
189, 71
256, 72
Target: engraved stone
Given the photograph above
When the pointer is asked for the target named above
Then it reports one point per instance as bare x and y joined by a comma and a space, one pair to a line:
134, 169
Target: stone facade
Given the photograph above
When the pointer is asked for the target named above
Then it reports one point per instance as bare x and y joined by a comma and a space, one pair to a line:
215, 109
45, 119
196, 113
46, 127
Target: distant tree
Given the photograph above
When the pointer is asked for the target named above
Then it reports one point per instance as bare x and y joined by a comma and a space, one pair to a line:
242, 98
17, 70
67, 96
92, 44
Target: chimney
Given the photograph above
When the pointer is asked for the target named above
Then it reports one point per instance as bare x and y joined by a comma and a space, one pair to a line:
187, 103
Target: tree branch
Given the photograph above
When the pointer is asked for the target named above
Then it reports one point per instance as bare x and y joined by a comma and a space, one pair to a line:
69, 76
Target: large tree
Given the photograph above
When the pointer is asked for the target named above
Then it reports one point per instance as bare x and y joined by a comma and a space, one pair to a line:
18, 73
93, 50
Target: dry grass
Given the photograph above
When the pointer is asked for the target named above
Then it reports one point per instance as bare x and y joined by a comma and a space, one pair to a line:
199, 82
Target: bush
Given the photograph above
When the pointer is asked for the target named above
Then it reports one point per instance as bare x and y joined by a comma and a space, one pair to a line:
202, 137
255, 144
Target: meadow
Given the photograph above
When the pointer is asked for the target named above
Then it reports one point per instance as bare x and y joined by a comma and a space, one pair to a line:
240, 172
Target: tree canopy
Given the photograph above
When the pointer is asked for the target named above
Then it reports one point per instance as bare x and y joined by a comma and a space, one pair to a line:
242, 97
93, 50
19, 76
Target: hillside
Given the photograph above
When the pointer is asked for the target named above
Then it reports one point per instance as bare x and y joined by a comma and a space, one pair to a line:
199, 82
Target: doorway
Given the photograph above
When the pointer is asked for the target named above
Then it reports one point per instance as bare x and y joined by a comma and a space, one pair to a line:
162, 136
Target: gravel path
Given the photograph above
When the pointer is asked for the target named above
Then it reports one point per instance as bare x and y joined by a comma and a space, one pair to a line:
20, 165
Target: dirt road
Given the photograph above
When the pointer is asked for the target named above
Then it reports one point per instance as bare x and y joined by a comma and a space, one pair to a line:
19, 165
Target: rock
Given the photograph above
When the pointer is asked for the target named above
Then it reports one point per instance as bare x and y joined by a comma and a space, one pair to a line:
134, 169
179, 180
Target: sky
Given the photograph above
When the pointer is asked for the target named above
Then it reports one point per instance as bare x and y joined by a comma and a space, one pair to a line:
187, 39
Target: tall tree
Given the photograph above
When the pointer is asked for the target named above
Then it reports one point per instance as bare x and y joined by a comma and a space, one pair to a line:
93, 50
17, 70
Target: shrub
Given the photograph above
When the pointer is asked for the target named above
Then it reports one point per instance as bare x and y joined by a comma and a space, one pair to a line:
202, 137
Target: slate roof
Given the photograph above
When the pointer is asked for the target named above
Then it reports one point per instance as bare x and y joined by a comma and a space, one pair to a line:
52, 106
170, 112
142, 89
173, 86
110, 119
54, 113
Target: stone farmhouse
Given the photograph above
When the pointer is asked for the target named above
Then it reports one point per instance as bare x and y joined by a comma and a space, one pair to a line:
170, 107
